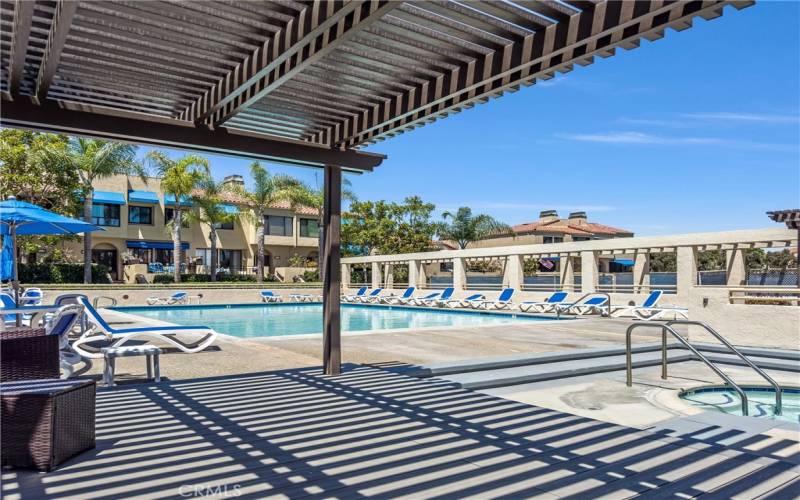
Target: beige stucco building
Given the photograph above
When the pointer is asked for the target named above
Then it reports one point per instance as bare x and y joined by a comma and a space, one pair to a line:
134, 215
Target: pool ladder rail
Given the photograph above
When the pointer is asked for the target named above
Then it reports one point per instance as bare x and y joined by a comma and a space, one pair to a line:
667, 328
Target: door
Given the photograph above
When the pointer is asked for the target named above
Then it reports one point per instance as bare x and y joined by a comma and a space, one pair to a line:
107, 258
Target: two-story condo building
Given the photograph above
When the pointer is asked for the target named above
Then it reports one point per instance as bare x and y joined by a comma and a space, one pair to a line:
134, 215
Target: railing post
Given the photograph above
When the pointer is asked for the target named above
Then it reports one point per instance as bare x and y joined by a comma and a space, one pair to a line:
589, 279
641, 271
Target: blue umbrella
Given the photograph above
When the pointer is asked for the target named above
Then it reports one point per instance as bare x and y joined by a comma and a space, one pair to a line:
7, 259
19, 217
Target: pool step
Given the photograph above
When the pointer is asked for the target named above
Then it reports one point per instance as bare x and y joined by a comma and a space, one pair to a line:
524, 369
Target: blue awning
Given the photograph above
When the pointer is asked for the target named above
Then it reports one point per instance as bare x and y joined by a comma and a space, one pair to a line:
230, 209
623, 262
148, 197
169, 200
108, 197
162, 245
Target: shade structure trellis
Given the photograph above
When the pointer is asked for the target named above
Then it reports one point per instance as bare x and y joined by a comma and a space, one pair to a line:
791, 218
298, 82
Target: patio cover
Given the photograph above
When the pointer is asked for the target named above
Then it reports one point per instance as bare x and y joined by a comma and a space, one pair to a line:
299, 82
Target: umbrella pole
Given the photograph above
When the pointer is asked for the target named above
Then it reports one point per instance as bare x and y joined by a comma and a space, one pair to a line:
15, 274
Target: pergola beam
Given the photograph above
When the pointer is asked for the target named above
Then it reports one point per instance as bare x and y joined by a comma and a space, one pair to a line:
58, 118
59, 29
593, 31
23, 19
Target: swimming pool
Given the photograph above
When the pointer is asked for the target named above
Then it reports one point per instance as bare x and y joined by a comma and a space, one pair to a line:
760, 401
276, 320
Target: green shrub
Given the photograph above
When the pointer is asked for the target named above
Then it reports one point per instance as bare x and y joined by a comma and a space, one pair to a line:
311, 276
205, 278
60, 273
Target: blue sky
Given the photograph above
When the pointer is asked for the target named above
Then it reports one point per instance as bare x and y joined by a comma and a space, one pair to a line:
699, 131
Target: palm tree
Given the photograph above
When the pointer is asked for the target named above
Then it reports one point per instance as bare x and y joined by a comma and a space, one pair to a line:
211, 211
95, 159
178, 178
267, 190
303, 195
466, 228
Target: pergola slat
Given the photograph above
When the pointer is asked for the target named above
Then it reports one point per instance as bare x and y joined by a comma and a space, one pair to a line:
23, 19
62, 22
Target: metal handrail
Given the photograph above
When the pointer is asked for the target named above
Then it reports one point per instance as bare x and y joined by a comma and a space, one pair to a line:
96, 301
665, 328
584, 296
778, 390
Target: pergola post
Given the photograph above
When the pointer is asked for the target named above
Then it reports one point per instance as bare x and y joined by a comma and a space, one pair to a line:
686, 271
388, 276
589, 278
736, 271
459, 274
567, 273
331, 285
346, 271
514, 277
641, 271
376, 275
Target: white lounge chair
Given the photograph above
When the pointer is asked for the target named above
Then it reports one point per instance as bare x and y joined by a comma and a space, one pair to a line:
353, 296
104, 333
470, 301
31, 297
649, 302
61, 325
591, 305
653, 313
373, 296
548, 305
421, 301
399, 299
438, 301
175, 298
270, 296
503, 301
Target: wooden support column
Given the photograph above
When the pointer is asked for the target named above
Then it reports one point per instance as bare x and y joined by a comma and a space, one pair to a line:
331, 286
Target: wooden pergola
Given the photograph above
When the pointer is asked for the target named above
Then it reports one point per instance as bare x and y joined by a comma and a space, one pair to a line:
298, 82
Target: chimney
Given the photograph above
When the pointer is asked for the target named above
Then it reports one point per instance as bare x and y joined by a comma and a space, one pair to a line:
548, 216
577, 218
236, 180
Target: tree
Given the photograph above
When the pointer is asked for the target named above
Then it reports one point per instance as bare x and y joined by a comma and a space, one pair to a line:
178, 178
267, 190
211, 211
95, 159
388, 227
303, 195
465, 228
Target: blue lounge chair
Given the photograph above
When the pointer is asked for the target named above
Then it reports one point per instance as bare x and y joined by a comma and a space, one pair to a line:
31, 297
354, 296
61, 325
420, 301
439, 301
399, 299
470, 301
503, 301
104, 333
373, 296
175, 298
270, 296
591, 305
547, 305
649, 302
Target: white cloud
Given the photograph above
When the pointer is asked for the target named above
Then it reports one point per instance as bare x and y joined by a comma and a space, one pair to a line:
641, 138
743, 117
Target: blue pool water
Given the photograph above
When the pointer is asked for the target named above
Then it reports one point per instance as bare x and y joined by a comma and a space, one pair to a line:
760, 401
272, 320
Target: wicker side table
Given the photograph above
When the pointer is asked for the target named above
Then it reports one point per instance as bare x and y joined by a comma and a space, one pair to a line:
45, 422
27, 354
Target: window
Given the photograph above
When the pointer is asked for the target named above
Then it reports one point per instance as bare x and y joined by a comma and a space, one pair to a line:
277, 225
169, 214
553, 239
580, 238
104, 214
140, 215
224, 225
227, 261
151, 255
309, 228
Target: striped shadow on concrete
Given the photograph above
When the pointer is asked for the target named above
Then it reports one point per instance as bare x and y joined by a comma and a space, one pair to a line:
372, 433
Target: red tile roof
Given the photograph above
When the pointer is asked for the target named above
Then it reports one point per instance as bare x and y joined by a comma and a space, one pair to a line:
565, 227
233, 198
